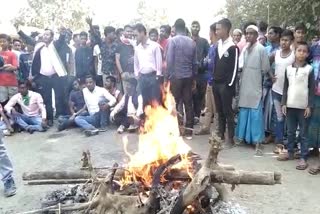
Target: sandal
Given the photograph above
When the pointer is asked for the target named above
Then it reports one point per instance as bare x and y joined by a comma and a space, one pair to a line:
259, 151
279, 148
314, 170
302, 165
285, 157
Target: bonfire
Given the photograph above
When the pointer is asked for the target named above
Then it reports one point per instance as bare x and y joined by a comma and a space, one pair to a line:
163, 176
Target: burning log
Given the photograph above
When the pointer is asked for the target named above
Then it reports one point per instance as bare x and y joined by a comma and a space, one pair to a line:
212, 174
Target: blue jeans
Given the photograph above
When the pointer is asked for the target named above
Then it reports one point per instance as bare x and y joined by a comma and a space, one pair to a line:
279, 128
65, 122
90, 122
3, 126
295, 118
5, 163
26, 122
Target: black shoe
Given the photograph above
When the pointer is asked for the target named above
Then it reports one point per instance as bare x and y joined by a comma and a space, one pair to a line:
31, 131
50, 123
10, 188
90, 133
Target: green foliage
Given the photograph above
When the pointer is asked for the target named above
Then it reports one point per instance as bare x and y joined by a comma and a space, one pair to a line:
53, 13
282, 13
151, 17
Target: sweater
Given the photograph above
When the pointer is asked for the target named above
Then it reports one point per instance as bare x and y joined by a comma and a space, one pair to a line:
298, 87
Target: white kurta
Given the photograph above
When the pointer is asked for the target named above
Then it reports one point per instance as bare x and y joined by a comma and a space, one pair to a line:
255, 63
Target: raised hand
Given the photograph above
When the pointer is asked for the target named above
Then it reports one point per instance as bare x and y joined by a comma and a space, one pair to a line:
89, 21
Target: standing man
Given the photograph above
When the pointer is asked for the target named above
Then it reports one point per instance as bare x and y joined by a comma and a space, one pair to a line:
165, 31
8, 80
147, 65
250, 127
84, 59
274, 34
125, 57
201, 81
182, 67
50, 66
210, 63
108, 49
224, 76
6, 171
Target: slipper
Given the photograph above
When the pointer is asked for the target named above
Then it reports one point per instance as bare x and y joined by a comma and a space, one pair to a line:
314, 170
302, 165
279, 148
285, 157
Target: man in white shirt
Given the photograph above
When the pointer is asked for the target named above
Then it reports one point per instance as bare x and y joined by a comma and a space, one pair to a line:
98, 101
147, 65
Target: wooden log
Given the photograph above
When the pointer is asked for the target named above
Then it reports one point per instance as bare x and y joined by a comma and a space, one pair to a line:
227, 176
245, 177
58, 181
48, 175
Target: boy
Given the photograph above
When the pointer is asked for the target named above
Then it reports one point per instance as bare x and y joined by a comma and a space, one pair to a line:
127, 112
283, 58
8, 80
299, 35
297, 101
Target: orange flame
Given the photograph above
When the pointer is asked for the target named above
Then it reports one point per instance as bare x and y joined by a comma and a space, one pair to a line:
159, 140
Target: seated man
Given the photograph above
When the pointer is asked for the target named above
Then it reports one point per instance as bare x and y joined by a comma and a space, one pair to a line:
98, 102
127, 112
111, 86
5, 125
34, 113
77, 106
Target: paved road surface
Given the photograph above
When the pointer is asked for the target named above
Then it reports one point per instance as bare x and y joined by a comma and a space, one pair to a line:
299, 193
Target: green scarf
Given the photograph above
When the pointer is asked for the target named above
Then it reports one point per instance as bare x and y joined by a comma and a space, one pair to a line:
26, 100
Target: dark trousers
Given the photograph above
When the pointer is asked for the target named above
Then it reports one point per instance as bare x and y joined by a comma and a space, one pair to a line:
182, 92
99, 80
199, 95
223, 95
295, 118
122, 119
44, 86
149, 88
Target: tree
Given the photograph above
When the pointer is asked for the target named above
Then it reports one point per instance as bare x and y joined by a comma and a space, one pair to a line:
151, 17
282, 13
54, 13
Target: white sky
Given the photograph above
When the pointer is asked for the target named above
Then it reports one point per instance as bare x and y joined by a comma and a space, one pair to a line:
124, 10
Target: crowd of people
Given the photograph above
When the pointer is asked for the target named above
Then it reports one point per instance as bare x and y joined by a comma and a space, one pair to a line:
256, 85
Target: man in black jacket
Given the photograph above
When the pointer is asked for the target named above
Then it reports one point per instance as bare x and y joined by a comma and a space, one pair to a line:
50, 67
224, 77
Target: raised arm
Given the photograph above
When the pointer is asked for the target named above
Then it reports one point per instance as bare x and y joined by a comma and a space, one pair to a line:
93, 33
